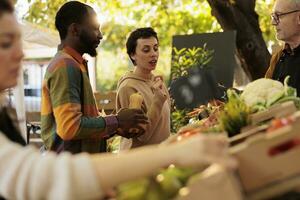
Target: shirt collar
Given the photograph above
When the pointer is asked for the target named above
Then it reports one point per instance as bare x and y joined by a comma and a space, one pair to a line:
289, 50
72, 52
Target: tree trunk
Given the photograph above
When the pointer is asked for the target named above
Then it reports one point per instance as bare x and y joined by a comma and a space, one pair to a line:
240, 15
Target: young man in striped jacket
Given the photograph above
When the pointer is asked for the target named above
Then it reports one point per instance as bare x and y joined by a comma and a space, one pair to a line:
69, 116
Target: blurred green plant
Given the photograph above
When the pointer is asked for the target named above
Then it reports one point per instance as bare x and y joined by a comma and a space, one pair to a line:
235, 115
264, 10
167, 17
186, 58
178, 118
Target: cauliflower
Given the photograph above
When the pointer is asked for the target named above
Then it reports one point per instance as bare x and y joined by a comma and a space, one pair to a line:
263, 92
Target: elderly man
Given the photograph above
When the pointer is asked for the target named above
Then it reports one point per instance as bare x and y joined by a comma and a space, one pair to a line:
286, 62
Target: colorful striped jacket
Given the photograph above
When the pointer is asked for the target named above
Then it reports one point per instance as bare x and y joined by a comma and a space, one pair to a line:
70, 119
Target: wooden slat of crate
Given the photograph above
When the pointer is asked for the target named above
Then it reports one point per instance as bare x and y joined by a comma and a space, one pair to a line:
276, 189
247, 133
278, 110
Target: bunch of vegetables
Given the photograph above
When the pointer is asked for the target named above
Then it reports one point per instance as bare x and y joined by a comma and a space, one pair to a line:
263, 93
205, 117
164, 185
179, 119
235, 114
257, 96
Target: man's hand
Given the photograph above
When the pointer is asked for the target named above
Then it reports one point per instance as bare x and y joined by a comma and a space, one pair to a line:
132, 132
131, 122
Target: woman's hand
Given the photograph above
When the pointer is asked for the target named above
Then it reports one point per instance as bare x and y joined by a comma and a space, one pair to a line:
203, 150
158, 90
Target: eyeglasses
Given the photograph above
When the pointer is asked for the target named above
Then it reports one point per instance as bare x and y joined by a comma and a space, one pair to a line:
276, 16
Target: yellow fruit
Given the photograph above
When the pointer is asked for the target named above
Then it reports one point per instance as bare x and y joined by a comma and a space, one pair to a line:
135, 101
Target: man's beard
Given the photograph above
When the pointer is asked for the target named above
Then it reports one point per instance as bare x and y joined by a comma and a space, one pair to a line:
88, 44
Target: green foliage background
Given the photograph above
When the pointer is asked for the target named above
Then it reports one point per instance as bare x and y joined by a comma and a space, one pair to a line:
167, 17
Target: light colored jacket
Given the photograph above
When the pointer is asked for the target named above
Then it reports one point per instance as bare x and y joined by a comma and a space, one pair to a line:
25, 174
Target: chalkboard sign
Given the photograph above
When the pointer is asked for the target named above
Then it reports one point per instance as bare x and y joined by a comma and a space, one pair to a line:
223, 45
202, 85
197, 88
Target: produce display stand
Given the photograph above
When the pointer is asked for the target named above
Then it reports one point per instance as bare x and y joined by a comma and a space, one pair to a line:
276, 111
267, 155
268, 161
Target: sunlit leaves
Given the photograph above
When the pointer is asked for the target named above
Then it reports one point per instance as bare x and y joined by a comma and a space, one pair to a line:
264, 10
167, 17
186, 58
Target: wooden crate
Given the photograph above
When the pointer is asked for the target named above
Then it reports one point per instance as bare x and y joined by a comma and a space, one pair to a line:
268, 160
278, 110
246, 133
